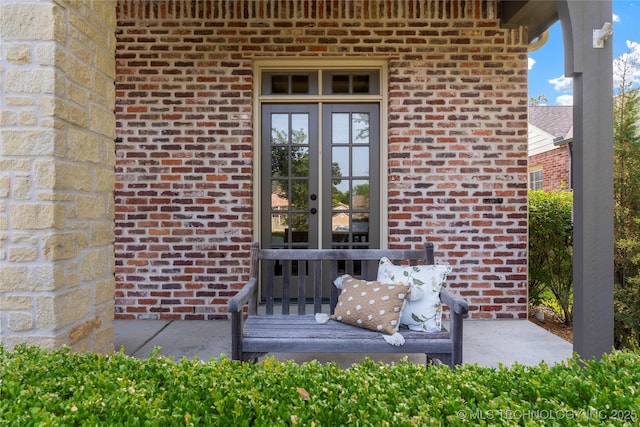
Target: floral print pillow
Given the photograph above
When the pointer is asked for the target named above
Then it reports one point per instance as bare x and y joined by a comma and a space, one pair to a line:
423, 309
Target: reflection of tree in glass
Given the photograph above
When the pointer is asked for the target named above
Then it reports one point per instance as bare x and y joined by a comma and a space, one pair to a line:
337, 197
290, 171
361, 123
362, 190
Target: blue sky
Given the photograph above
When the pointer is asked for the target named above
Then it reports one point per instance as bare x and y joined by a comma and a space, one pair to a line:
546, 65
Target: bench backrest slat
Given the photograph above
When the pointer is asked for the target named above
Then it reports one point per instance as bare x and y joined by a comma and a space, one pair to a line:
302, 273
317, 268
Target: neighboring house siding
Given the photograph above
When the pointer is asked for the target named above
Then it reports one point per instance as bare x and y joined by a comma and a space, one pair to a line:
550, 139
456, 141
555, 166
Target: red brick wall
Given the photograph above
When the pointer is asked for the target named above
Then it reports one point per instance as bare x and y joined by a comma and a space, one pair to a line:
457, 141
555, 168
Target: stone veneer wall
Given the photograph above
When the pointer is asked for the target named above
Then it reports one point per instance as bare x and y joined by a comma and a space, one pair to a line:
56, 173
457, 141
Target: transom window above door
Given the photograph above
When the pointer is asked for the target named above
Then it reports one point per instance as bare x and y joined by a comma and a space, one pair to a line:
333, 82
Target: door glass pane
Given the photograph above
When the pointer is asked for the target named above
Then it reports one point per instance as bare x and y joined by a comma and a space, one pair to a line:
360, 165
279, 128
300, 129
299, 228
340, 161
360, 195
279, 201
360, 128
360, 227
300, 161
340, 225
279, 223
299, 194
340, 128
279, 161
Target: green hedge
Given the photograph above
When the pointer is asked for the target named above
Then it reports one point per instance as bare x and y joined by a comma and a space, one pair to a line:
39, 387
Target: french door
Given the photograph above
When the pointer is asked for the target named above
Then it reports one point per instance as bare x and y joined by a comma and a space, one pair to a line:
320, 182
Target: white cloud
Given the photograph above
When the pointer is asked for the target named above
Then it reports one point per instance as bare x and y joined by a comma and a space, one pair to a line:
616, 18
531, 63
627, 65
564, 100
562, 84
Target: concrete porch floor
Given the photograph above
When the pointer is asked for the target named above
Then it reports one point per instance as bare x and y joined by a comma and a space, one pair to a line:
486, 342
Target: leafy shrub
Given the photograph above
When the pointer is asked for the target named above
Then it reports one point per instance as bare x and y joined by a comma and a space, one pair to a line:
39, 387
551, 247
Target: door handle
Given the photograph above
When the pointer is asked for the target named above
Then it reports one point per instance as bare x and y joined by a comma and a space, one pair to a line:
313, 211
313, 196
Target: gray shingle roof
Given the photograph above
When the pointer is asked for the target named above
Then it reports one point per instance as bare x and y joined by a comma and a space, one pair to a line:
555, 120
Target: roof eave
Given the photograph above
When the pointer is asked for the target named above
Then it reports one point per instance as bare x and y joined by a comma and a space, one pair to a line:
536, 15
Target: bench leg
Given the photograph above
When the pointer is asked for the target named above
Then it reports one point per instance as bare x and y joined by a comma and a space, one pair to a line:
437, 358
252, 357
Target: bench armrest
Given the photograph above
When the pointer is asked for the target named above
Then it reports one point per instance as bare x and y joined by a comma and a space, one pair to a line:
456, 303
246, 295
236, 303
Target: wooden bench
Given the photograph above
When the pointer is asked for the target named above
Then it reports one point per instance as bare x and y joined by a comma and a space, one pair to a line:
260, 330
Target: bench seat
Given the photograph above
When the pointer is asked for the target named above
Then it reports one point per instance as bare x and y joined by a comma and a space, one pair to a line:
255, 334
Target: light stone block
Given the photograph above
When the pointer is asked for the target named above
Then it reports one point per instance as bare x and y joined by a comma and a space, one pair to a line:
83, 346
53, 174
27, 278
78, 95
93, 264
102, 233
20, 322
83, 146
48, 342
71, 113
57, 311
28, 21
90, 207
47, 54
103, 340
19, 53
18, 254
15, 164
33, 216
30, 81
83, 330
27, 118
46, 106
60, 246
21, 188
27, 142
103, 121
5, 182
14, 302
104, 291
8, 118
105, 180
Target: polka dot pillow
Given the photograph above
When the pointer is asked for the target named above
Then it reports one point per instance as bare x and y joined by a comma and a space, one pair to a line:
371, 305
423, 311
